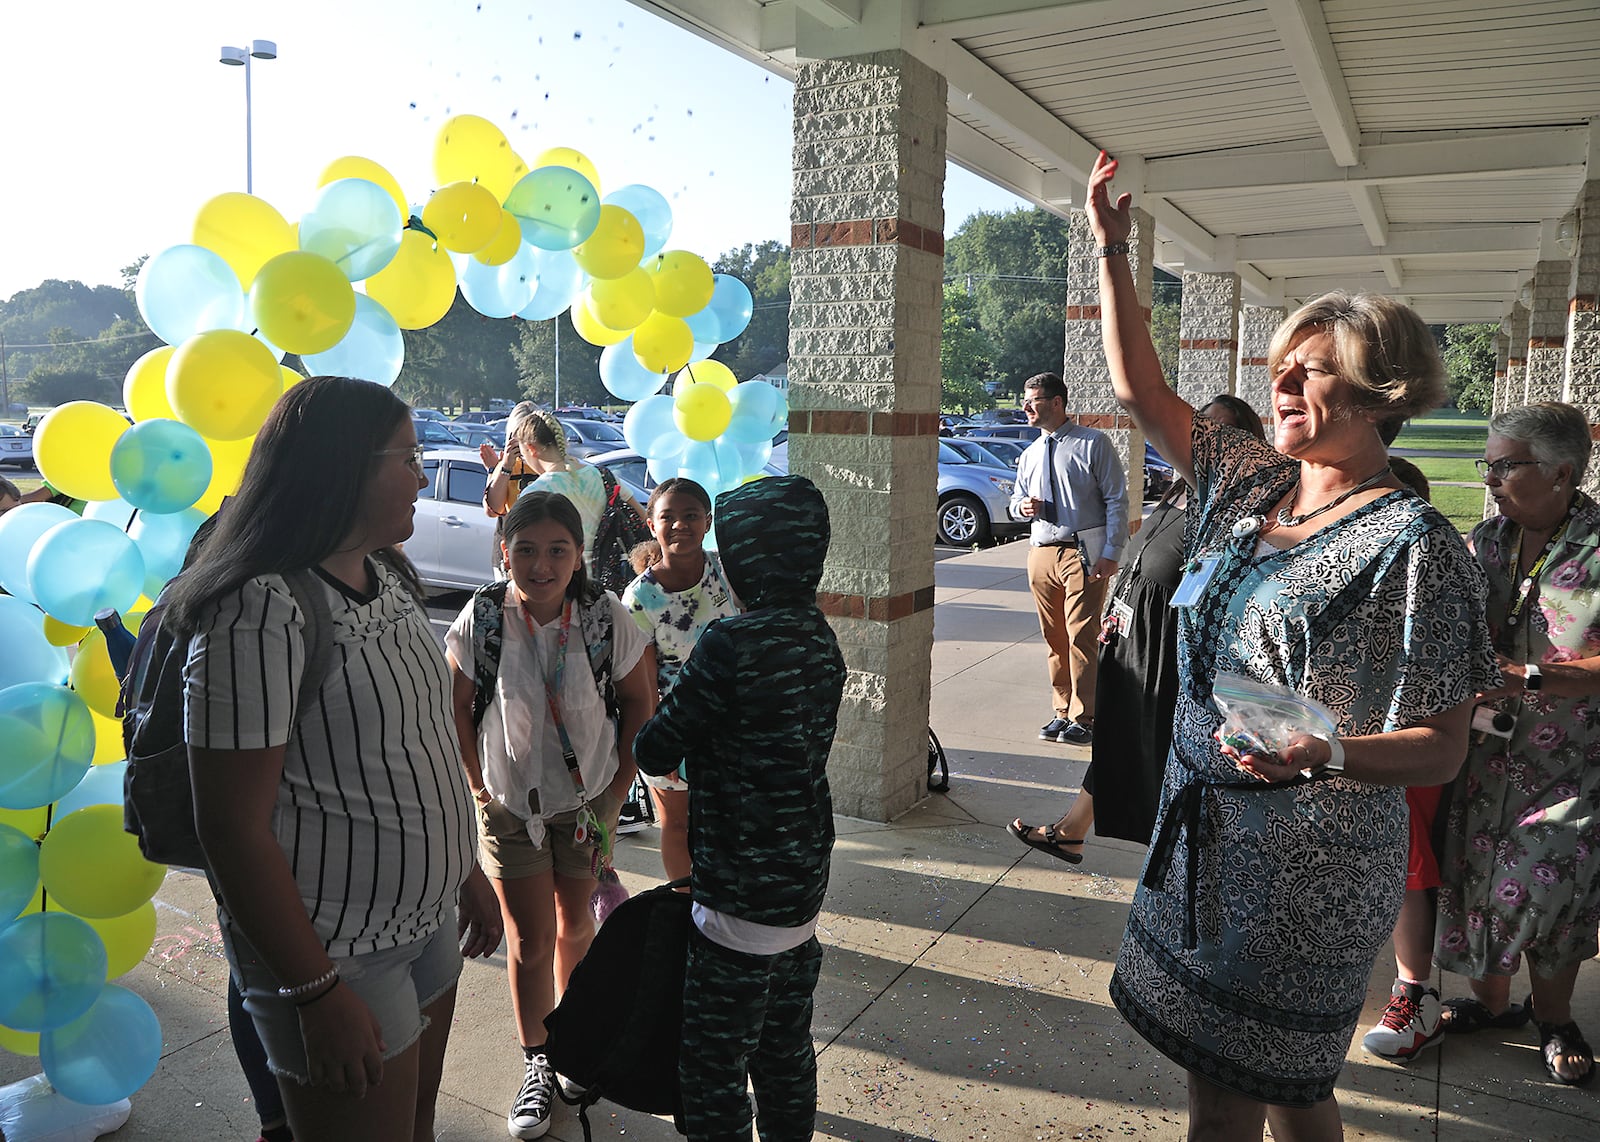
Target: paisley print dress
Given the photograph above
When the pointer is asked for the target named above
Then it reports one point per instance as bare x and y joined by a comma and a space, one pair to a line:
1521, 862
1262, 907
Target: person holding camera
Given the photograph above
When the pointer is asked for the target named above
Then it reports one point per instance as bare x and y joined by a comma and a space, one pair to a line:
1521, 858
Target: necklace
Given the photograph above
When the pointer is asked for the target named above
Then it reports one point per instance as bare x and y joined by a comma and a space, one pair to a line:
1251, 524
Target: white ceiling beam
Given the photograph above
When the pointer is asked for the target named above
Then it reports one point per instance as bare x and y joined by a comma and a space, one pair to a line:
1369, 208
1432, 238
1305, 38
1486, 283
833, 13
974, 151
961, 19
1392, 272
762, 34
1526, 151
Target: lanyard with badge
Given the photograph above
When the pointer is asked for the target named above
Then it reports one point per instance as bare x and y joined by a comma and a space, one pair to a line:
588, 824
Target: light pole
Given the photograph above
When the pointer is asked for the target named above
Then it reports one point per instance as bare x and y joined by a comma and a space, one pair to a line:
240, 57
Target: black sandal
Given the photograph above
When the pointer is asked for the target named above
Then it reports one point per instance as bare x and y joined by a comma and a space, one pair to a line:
1463, 1015
1051, 843
1559, 1039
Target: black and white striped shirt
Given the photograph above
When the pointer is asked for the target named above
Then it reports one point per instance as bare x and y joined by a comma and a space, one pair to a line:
373, 811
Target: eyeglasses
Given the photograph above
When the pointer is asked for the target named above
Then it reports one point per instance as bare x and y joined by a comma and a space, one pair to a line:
413, 455
1027, 401
1499, 469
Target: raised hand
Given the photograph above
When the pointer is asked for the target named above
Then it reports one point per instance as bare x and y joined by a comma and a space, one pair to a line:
1110, 223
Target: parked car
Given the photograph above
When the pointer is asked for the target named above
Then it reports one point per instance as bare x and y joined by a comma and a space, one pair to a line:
482, 417
452, 541
1000, 416
973, 450
473, 434
1002, 448
1026, 433
435, 432
950, 421
1158, 474
428, 414
587, 437
16, 446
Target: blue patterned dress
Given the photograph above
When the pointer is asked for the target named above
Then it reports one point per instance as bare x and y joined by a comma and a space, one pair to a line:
1520, 871
1262, 909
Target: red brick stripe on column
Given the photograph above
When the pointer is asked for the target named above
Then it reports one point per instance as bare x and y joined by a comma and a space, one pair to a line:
841, 422
1515, 362
878, 608
1103, 420
866, 232
1207, 343
1092, 313
1253, 361
1594, 432
1548, 342
1584, 303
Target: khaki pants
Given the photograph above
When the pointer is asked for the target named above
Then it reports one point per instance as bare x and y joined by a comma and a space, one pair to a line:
1069, 605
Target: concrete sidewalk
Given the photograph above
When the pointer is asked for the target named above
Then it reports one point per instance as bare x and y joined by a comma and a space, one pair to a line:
963, 996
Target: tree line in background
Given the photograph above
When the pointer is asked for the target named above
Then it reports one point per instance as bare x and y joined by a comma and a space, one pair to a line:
1005, 277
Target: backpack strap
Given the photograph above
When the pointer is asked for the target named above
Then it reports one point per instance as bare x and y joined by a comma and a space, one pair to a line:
316, 632
488, 637
594, 621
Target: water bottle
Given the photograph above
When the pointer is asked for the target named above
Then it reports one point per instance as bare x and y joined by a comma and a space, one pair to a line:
119, 642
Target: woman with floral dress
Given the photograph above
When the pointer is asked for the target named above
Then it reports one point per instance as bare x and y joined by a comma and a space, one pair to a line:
1521, 867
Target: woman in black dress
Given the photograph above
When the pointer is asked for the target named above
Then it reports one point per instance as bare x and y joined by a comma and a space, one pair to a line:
1137, 688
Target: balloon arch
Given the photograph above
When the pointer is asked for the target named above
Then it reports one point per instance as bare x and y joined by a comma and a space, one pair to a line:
531, 240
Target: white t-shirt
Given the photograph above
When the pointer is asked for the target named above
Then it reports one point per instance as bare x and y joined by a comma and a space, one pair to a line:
373, 811
518, 745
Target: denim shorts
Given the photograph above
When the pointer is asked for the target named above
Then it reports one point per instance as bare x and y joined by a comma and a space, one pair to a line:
395, 984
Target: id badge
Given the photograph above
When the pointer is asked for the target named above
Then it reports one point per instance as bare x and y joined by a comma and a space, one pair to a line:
1120, 614
1197, 575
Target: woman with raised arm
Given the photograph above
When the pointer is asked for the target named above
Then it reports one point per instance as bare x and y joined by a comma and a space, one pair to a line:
1274, 879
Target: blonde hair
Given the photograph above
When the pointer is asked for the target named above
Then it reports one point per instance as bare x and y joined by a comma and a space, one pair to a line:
1383, 350
530, 424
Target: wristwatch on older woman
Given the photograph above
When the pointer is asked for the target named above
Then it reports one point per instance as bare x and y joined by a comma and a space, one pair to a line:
1532, 677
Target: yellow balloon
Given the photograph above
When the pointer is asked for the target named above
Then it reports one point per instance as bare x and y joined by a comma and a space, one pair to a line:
589, 327
93, 677
58, 633
303, 303
663, 344
683, 282
463, 216
228, 458
701, 412
290, 377
707, 372
622, 303
93, 868
572, 160
354, 166
73, 445
472, 149
127, 937
418, 286
222, 383
19, 1042
108, 747
614, 248
506, 241
29, 822
245, 230
144, 389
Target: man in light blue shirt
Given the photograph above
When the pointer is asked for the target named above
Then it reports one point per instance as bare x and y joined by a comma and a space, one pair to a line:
1072, 486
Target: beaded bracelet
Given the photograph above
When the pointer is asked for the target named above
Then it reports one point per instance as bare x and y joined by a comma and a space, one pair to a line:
301, 990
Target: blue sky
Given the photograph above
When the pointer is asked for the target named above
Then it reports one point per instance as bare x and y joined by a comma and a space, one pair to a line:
120, 122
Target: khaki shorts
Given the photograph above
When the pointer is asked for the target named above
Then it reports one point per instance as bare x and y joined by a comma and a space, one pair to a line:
506, 853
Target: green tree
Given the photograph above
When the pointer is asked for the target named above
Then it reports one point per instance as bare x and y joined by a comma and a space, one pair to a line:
535, 357
764, 269
1164, 325
1469, 361
55, 384
964, 352
464, 358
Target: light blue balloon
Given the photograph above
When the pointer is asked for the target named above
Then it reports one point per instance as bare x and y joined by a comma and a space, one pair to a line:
52, 969
759, 412
185, 290
499, 291
20, 529
107, 1053
46, 744
556, 207
753, 457
650, 429
704, 324
664, 468
116, 511
83, 566
702, 351
651, 209
19, 872
732, 304
558, 280
101, 785
373, 350
161, 466
624, 377
163, 541
355, 225
716, 465
249, 327
28, 655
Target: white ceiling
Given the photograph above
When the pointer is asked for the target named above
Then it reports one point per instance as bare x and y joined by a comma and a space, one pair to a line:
1423, 148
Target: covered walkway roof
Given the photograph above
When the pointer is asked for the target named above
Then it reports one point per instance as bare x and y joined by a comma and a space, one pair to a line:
1428, 149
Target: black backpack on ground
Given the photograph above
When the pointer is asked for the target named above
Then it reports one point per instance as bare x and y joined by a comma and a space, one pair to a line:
619, 531
157, 797
619, 1026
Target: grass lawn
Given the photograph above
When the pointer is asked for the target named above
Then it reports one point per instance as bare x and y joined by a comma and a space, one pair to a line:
1438, 468
1461, 506
1446, 431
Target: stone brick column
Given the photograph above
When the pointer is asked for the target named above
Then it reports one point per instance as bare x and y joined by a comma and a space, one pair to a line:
867, 262
1089, 398
1583, 316
1517, 356
1257, 324
1547, 332
1502, 353
1208, 336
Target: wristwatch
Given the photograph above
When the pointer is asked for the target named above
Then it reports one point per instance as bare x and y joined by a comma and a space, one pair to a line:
1533, 677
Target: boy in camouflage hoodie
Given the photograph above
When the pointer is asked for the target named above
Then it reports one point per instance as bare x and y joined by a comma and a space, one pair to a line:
752, 717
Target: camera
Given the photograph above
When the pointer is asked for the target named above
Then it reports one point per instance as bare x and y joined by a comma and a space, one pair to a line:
1488, 720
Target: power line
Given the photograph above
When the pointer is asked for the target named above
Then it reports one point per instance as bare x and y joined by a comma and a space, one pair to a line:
89, 341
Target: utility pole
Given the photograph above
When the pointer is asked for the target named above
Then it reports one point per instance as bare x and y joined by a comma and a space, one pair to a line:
5, 381
555, 327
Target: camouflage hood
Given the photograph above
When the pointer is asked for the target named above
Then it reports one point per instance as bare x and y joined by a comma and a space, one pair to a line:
772, 535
